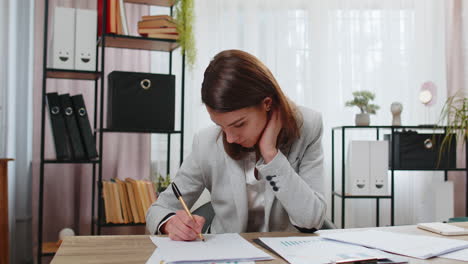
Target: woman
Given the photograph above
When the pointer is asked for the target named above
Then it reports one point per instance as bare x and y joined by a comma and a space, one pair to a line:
262, 164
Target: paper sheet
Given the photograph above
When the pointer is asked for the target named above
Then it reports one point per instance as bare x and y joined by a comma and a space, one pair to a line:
218, 247
416, 246
457, 255
156, 258
306, 250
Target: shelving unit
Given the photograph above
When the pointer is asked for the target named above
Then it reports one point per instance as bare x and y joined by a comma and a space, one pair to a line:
48, 248
135, 43
392, 130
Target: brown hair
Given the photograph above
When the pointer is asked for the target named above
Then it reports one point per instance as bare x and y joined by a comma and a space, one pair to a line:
236, 79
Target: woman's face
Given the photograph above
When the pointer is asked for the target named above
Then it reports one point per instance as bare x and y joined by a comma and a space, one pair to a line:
243, 126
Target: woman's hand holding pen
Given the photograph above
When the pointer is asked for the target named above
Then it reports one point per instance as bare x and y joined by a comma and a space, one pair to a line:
181, 227
267, 142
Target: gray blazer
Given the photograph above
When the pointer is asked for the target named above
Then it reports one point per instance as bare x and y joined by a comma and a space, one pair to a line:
297, 171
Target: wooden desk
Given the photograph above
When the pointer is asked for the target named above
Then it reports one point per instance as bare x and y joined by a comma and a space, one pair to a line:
137, 249
4, 237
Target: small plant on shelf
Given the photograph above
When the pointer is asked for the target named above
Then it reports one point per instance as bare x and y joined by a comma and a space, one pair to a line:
362, 101
160, 182
454, 115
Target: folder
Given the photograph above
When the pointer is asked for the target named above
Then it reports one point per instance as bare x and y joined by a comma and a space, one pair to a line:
378, 174
59, 131
63, 41
85, 40
357, 169
72, 127
84, 126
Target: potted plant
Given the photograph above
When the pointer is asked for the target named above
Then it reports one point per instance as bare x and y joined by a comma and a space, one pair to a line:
184, 16
454, 115
160, 183
361, 100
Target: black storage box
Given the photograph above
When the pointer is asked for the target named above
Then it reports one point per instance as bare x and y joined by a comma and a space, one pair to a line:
421, 151
140, 101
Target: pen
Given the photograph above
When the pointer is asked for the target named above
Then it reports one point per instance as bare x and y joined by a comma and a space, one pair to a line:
179, 196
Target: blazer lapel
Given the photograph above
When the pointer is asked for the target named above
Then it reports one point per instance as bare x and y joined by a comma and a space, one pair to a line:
269, 197
235, 171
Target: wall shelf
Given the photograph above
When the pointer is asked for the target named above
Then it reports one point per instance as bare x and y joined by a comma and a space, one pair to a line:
72, 74
138, 43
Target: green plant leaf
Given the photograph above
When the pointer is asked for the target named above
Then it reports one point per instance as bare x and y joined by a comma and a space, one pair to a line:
184, 18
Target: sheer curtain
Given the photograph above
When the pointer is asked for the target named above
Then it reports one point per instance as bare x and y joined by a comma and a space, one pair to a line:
322, 51
16, 50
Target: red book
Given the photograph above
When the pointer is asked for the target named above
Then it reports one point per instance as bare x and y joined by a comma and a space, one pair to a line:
101, 15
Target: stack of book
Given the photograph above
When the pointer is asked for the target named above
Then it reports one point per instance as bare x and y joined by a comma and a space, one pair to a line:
127, 201
160, 26
116, 19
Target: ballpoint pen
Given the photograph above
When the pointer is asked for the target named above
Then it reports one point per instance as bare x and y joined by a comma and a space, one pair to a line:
179, 197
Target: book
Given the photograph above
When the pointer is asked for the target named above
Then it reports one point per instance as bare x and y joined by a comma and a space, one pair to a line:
133, 205
139, 204
152, 192
164, 36
118, 208
122, 197
163, 30
106, 197
112, 210
100, 11
123, 17
118, 18
143, 196
152, 17
112, 14
156, 23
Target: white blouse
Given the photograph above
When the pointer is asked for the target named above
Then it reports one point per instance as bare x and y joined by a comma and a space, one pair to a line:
255, 196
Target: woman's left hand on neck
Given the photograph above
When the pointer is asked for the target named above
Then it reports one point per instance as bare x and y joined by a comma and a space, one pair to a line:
268, 140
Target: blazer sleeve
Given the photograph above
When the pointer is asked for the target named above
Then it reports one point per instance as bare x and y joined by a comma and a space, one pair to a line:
301, 194
189, 179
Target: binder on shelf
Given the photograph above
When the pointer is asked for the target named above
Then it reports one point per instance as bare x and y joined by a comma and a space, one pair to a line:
85, 40
378, 161
63, 41
358, 168
84, 126
72, 127
367, 167
59, 131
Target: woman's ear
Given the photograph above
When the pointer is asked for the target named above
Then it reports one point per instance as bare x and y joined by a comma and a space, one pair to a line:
267, 103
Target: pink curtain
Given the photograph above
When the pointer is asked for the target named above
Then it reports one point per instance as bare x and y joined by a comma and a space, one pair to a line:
67, 187
456, 39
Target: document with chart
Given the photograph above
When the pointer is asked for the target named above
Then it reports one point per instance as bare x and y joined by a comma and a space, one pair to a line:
306, 250
416, 246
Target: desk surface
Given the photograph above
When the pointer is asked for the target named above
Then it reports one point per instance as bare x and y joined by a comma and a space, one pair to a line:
137, 249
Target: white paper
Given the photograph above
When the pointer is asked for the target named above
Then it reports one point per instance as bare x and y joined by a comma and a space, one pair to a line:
306, 250
218, 247
156, 258
457, 255
416, 246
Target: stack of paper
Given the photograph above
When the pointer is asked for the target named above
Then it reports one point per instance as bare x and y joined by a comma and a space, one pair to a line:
216, 248
306, 250
416, 246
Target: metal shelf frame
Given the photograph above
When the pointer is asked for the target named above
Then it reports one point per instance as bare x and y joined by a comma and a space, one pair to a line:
393, 129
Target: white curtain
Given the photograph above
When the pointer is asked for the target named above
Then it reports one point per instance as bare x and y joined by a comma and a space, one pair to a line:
322, 51
16, 50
